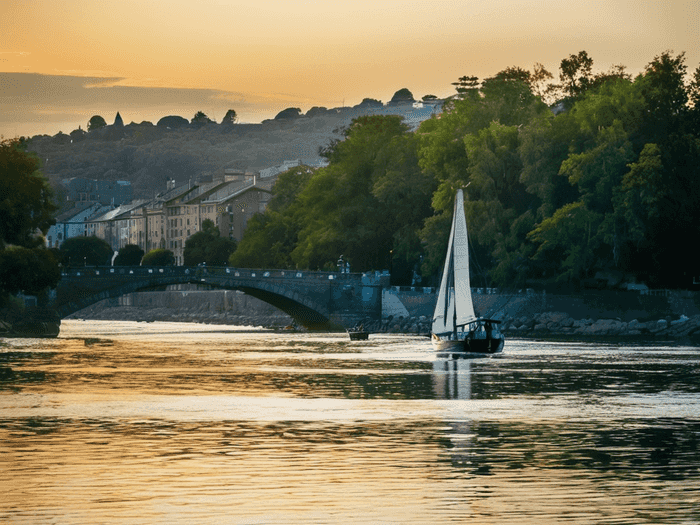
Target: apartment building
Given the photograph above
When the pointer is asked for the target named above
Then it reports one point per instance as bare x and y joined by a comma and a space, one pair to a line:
172, 217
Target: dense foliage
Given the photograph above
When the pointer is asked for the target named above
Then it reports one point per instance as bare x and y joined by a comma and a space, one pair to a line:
86, 251
26, 210
592, 176
129, 255
370, 200
208, 247
158, 257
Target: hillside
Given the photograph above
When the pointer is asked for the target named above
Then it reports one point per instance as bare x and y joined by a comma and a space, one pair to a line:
148, 155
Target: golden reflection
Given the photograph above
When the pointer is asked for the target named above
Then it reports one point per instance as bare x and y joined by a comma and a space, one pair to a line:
186, 424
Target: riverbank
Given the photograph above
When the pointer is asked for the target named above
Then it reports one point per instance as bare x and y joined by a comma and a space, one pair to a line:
34, 329
554, 325
670, 316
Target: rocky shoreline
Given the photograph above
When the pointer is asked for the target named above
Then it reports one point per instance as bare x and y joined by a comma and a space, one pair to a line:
529, 316
560, 324
541, 325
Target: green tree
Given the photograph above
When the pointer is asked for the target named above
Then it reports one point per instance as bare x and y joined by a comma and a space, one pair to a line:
475, 145
26, 199
207, 246
567, 243
96, 122
466, 86
129, 255
662, 85
28, 270
26, 213
341, 214
576, 74
159, 257
86, 251
230, 118
270, 237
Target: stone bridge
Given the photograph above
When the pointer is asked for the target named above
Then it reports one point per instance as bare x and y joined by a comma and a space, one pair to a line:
314, 299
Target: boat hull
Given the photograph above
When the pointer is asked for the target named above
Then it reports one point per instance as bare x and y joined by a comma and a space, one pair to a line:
358, 336
467, 345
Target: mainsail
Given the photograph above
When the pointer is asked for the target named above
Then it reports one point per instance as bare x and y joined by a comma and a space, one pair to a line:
454, 306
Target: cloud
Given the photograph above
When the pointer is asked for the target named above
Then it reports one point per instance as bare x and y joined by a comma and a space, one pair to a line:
69, 100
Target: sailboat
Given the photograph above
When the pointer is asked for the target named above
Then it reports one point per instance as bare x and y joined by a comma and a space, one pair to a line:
456, 328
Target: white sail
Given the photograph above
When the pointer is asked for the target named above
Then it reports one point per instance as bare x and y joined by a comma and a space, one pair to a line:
454, 305
442, 321
463, 292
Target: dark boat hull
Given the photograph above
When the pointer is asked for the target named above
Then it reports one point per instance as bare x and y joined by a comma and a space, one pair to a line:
358, 336
467, 345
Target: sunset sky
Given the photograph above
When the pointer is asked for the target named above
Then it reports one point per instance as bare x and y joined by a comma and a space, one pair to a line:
62, 61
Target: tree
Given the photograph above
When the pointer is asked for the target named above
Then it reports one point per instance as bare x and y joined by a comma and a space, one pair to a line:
475, 145
270, 237
576, 74
200, 119
96, 122
402, 95
28, 270
230, 118
86, 251
129, 255
665, 94
172, 122
207, 246
26, 210
288, 113
159, 257
337, 211
370, 103
26, 204
466, 85
567, 242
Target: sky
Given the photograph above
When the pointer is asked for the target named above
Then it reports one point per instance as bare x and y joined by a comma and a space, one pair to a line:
63, 61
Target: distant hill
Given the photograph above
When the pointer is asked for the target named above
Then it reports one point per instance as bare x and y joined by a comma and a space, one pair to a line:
148, 155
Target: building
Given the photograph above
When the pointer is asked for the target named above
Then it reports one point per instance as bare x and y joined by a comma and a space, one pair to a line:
118, 226
104, 192
175, 215
72, 223
232, 207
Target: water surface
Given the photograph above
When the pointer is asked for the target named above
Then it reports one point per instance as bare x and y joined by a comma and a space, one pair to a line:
121, 422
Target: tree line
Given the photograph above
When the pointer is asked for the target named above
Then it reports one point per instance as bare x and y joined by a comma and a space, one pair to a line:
594, 174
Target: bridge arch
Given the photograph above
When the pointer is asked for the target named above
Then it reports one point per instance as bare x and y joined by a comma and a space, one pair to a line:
313, 299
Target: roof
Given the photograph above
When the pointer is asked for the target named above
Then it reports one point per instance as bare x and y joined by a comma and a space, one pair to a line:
222, 196
121, 210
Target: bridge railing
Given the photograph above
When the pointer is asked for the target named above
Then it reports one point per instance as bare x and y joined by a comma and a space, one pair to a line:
200, 272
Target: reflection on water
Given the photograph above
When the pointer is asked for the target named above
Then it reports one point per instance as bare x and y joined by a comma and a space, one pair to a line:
176, 423
452, 378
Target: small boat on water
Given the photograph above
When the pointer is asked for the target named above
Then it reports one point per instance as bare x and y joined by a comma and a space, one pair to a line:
456, 328
358, 333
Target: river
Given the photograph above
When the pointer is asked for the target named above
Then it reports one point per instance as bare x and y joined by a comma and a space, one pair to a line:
162, 423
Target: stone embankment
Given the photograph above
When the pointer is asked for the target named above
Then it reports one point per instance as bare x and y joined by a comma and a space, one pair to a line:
212, 307
557, 324
582, 316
